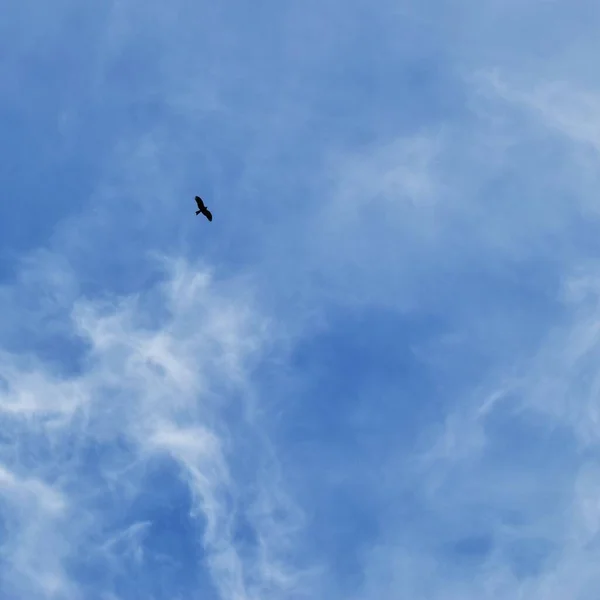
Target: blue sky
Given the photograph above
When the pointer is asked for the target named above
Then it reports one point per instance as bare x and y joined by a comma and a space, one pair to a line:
373, 375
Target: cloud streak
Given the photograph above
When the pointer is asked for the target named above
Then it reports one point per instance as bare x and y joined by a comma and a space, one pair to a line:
143, 393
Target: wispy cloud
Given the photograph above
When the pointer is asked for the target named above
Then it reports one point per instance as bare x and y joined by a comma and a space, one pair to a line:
152, 391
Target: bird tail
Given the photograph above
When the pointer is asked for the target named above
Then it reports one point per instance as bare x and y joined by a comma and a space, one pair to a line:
198, 212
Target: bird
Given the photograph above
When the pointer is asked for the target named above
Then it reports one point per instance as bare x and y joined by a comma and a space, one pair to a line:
202, 208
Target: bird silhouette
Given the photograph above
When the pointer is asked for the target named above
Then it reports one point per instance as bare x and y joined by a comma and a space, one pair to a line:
202, 208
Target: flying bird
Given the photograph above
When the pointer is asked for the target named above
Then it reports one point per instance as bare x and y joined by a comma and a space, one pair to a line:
202, 208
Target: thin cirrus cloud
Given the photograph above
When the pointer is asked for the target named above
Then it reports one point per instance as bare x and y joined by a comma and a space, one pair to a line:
132, 418
372, 375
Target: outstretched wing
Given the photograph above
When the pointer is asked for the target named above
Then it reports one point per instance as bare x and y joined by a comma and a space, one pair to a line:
207, 214
199, 202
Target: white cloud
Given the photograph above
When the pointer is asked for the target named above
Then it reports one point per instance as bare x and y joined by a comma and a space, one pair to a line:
33, 549
162, 389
